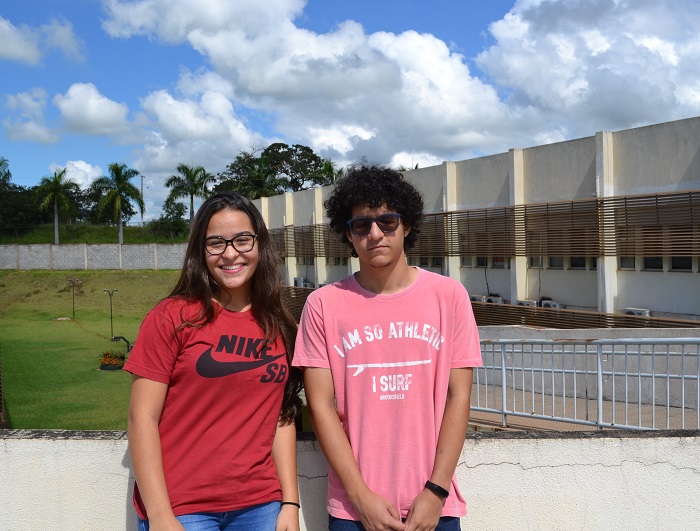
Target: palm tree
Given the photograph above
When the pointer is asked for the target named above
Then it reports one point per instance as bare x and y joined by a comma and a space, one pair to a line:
56, 191
192, 182
117, 192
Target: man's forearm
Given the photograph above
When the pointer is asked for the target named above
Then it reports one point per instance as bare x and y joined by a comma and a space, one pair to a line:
453, 429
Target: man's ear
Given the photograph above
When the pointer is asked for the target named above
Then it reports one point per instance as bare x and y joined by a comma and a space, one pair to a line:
407, 229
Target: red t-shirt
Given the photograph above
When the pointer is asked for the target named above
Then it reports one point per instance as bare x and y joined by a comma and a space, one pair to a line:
221, 410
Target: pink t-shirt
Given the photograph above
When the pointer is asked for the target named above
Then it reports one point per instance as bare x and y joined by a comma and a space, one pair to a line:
390, 357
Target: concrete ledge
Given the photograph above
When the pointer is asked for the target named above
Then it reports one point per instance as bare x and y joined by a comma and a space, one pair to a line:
54, 479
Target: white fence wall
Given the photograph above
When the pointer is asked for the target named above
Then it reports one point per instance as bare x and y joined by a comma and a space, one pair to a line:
56, 480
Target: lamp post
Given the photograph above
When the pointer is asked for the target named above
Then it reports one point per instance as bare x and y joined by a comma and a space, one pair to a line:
142, 200
111, 322
73, 281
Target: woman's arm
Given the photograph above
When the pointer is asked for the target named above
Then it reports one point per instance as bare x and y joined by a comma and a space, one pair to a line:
145, 408
284, 454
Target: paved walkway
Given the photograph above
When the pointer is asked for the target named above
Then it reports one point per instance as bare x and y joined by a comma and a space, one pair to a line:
618, 413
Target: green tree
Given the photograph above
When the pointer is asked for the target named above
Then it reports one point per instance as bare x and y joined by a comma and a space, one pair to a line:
19, 206
117, 192
298, 166
5, 174
171, 224
56, 191
276, 169
330, 171
250, 176
192, 182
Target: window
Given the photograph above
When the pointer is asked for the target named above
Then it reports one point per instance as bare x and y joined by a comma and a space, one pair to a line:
653, 263
594, 262
577, 262
436, 261
481, 261
556, 262
627, 262
338, 261
465, 261
536, 262
305, 260
681, 263
498, 262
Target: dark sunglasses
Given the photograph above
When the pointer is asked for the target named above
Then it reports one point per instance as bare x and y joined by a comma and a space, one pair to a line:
386, 223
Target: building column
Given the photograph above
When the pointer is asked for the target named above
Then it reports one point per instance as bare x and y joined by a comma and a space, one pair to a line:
320, 262
290, 263
449, 204
605, 187
518, 264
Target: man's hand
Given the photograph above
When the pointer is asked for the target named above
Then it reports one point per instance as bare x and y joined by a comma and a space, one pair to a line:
377, 513
424, 513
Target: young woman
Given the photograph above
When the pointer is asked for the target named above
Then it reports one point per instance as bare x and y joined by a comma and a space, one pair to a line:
213, 400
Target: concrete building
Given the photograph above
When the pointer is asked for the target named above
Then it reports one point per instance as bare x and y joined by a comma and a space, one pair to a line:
607, 223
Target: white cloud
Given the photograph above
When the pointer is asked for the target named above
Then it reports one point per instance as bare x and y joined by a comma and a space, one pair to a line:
59, 35
79, 171
174, 21
86, 111
598, 64
345, 93
27, 122
26, 44
556, 70
19, 43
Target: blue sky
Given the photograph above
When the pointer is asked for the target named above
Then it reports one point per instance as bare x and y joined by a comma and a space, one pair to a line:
153, 83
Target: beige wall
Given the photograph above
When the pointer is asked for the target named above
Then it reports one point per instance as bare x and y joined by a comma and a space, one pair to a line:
83, 481
657, 158
560, 172
483, 182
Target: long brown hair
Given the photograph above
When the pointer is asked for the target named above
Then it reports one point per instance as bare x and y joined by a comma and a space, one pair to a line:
195, 283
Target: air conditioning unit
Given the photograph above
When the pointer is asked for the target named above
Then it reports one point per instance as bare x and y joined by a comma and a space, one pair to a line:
526, 303
641, 312
552, 304
477, 298
494, 300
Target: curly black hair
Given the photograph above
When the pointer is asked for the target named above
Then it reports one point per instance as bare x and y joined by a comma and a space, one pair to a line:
373, 186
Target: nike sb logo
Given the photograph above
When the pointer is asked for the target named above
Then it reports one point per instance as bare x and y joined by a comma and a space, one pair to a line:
249, 353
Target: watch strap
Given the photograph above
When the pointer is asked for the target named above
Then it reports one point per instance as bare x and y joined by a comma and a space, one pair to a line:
437, 489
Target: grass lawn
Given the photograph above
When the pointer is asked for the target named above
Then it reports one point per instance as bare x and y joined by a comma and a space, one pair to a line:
50, 362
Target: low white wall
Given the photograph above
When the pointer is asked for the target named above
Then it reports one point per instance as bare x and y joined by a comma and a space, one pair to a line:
58, 480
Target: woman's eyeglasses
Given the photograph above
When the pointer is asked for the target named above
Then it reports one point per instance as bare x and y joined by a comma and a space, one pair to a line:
386, 223
242, 243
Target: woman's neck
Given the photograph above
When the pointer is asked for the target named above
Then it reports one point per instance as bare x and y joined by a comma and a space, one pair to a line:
238, 303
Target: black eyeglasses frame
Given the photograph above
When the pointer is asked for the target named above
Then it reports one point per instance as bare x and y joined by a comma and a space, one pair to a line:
231, 243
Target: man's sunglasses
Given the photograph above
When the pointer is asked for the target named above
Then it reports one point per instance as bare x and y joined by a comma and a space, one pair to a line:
386, 223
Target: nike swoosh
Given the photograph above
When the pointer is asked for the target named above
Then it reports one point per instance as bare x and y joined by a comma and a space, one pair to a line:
208, 367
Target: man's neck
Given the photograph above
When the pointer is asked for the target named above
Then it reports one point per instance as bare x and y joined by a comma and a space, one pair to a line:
386, 280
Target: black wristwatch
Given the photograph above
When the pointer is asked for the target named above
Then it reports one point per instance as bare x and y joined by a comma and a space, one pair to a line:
437, 489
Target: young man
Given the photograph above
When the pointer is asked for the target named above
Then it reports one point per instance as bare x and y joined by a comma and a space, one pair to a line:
388, 355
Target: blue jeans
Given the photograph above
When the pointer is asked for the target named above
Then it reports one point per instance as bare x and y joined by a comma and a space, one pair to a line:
257, 518
447, 523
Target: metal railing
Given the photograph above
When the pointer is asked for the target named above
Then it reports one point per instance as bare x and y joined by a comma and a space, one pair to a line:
634, 384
